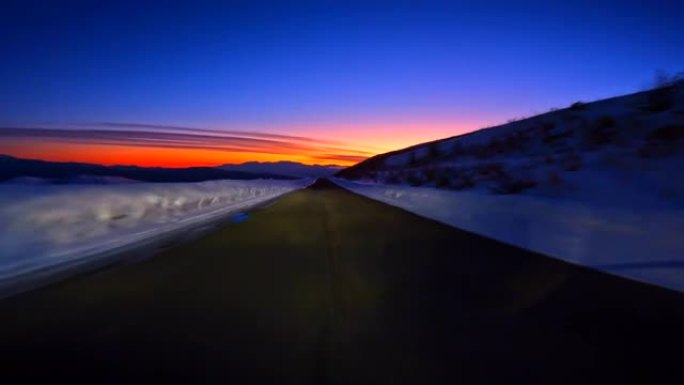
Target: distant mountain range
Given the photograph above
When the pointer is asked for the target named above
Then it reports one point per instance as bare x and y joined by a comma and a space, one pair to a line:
291, 169
44, 172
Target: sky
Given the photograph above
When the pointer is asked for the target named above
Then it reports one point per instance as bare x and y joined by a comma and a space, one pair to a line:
207, 83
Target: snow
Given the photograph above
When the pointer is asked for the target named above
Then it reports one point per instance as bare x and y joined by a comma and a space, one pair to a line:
631, 135
641, 242
57, 226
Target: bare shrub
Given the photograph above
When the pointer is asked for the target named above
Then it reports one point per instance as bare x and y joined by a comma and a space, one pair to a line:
508, 184
662, 142
430, 173
662, 79
414, 179
491, 170
554, 180
442, 176
578, 106
413, 160
547, 126
602, 132
550, 137
457, 149
393, 178
668, 133
662, 97
442, 180
434, 152
462, 181
572, 162
660, 100
606, 121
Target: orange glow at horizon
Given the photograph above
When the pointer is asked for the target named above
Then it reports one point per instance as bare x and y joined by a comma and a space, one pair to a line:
386, 137
138, 156
359, 142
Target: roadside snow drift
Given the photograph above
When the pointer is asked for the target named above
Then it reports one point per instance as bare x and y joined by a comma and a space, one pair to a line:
642, 243
54, 227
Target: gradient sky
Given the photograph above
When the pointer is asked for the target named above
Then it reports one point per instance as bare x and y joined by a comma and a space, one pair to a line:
204, 83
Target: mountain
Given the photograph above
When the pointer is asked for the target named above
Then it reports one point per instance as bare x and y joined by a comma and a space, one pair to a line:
16, 169
291, 169
609, 148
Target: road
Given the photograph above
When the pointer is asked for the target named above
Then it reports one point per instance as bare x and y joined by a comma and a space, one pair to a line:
327, 287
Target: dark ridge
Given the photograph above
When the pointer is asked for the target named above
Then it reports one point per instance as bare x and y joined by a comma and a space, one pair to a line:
11, 168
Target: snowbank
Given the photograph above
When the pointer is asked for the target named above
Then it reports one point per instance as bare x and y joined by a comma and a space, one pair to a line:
639, 243
45, 227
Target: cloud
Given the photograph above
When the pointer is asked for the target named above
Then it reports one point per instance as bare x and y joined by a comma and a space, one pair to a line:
143, 135
254, 134
342, 157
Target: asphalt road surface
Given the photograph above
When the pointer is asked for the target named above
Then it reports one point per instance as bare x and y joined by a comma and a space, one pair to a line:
327, 287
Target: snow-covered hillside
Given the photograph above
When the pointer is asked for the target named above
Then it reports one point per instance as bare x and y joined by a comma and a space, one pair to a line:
639, 243
621, 151
59, 226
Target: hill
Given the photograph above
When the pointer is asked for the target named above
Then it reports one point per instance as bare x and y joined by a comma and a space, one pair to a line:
587, 149
12, 168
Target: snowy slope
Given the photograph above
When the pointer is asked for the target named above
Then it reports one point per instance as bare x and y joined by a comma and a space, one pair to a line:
631, 144
641, 243
55, 226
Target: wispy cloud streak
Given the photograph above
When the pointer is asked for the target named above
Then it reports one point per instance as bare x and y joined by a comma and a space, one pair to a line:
159, 136
250, 134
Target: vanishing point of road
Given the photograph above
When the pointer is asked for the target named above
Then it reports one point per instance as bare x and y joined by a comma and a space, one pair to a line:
327, 287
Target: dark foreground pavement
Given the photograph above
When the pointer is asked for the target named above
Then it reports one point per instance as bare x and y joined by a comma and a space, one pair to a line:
329, 287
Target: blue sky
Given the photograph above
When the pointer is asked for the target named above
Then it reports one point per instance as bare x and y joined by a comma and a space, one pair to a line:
326, 69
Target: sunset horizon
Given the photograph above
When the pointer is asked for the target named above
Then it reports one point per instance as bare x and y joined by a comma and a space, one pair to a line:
304, 82
109, 143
